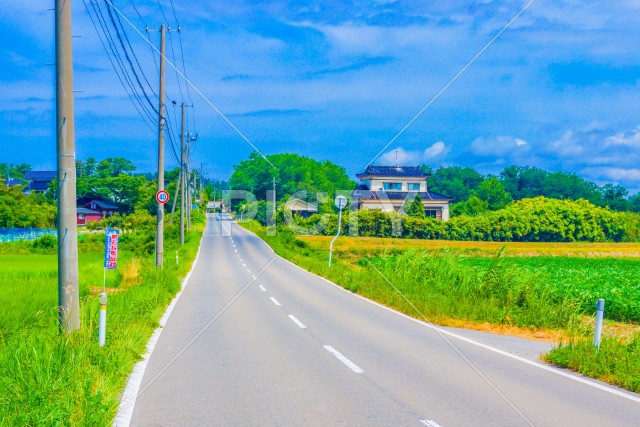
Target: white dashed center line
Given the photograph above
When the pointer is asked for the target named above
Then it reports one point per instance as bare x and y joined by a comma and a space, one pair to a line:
275, 301
262, 288
355, 368
297, 322
430, 423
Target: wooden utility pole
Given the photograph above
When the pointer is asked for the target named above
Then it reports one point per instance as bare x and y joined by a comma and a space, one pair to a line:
188, 182
161, 120
183, 154
175, 198
68, 293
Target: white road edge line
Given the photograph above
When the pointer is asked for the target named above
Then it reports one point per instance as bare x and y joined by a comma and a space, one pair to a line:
430, 423
261, 287
355, 368
297, 322
548, 368
275, 301
129, 395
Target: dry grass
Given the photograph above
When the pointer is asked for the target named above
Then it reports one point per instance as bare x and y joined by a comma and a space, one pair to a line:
372, 245
131, 273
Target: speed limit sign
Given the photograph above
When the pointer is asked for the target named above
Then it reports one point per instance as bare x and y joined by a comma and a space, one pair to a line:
162, 196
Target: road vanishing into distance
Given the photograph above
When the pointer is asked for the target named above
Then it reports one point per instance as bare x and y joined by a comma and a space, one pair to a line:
256, 341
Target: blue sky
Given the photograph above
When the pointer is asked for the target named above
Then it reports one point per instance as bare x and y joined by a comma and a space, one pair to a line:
559, 89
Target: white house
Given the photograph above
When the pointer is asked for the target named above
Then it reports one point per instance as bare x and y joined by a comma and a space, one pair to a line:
387, 187
300, 207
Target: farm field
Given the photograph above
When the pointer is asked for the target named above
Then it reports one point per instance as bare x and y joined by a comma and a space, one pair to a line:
29, 291
371, 245
49, 379
576, 272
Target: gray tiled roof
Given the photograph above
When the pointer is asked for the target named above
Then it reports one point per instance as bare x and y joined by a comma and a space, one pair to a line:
40, 175
396, 195
86, 211
102, 205
413, 171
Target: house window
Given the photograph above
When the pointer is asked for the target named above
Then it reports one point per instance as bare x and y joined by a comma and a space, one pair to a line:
414, 186
431, 212
394, 186
81, 216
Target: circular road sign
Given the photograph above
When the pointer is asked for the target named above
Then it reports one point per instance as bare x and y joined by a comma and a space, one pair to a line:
162, 196
341, 202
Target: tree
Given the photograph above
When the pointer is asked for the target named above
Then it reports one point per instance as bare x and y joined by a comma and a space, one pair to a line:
634, 202
492, 191
455, 181
113, 166
292, 173
471, 207
614, 196
416, 208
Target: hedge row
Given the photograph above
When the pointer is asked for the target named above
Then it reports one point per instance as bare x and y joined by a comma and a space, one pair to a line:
529, 220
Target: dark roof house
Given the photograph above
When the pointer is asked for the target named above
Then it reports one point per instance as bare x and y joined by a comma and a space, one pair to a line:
395, 171
388, 187
39, 180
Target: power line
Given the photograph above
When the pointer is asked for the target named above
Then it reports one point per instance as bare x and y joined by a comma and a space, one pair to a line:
116, 54
134, 55
184, 69
126, 54
130, 94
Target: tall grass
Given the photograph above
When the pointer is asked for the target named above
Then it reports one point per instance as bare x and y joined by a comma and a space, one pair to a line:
617, 361
443, 286
439, 285
49, 379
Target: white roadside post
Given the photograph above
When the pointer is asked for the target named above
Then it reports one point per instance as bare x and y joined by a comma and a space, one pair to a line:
341, 203
102, 327
599, 315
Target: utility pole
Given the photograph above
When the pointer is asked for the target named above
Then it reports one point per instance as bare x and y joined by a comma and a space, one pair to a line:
190, 138
182, 175
68, 293
161, 120
175, 198
201, 183
188, 176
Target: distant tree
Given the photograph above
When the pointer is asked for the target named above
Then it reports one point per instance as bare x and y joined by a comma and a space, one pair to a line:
526, 182
471, 207
114, 166
614, 196
292, 173
634, 202
416, 208
13, 171
492, 191
455, 181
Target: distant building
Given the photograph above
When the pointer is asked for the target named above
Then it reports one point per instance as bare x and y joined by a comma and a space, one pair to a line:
300, 207
85, 216
105, 209
387, 187
38, 181
10, 182
216, 204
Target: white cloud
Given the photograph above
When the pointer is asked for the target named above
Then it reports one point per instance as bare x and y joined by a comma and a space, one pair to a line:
499, 146
630, 138
613, 173
413, 157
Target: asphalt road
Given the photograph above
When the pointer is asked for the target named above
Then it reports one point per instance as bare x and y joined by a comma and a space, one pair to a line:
254, 340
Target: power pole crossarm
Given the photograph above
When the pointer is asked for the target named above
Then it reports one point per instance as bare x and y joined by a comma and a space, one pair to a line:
68, 291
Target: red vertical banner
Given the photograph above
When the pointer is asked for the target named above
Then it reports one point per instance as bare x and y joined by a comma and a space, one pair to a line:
111, 249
